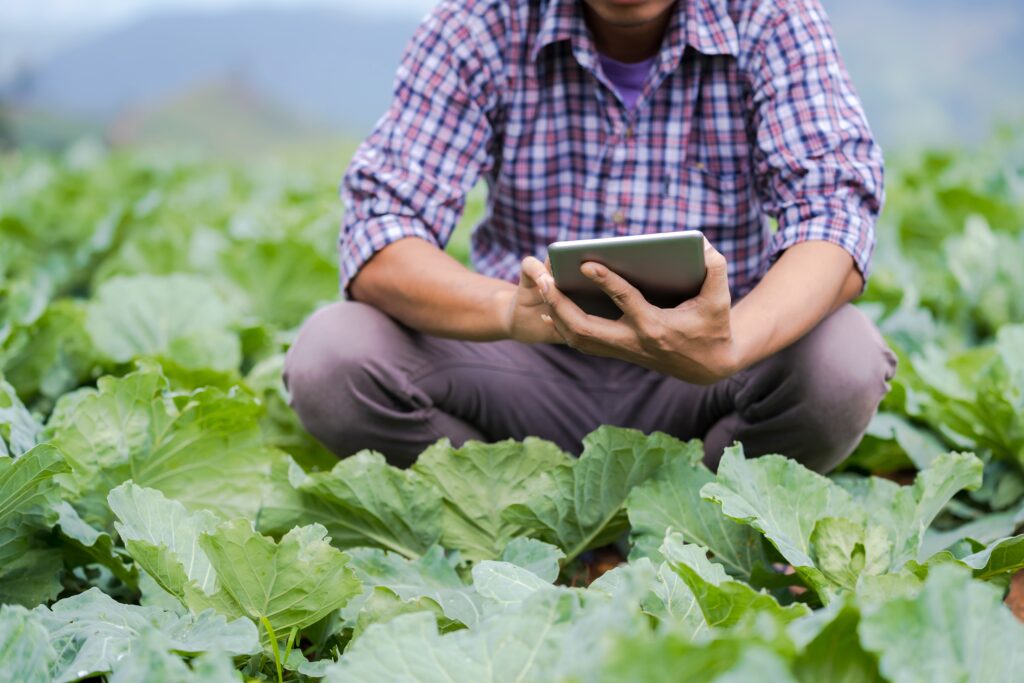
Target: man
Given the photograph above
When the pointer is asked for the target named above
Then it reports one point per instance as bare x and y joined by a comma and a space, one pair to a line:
593, 118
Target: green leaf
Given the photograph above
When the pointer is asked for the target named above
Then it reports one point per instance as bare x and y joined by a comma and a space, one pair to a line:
666, 596
955, 629
1004, 556
905, 512
52, 356
669, 657
895, 435
998, 559
431, 576
163, 537
362, 501
723, 600
25, 651
834, 533
87, 545
279, 281
148, 660
510, 647
91, 632
506, 584
19, 430
479, 481
845, 550
231, 568
580, 504
181, 317
783, 500
293, 583
538, 557
671, 500
29, 568
203, 448
830, 648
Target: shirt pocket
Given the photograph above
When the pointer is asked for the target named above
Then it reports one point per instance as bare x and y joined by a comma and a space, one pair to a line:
718, 204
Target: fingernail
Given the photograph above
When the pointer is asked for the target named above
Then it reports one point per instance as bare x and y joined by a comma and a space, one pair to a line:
592, 270
542, 283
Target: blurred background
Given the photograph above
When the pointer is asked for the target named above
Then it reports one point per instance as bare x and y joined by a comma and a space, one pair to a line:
250, 77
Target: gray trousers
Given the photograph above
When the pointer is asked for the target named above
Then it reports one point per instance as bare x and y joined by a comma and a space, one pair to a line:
359, 379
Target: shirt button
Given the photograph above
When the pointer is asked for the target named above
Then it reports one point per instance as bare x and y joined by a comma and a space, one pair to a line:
619, 217
699, 166
629, 133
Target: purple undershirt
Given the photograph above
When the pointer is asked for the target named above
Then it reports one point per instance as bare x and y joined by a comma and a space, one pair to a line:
628, 79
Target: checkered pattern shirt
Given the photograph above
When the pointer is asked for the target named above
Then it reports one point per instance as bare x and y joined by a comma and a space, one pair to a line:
748, 115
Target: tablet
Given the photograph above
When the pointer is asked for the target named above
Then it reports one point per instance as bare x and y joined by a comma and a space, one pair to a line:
668, 268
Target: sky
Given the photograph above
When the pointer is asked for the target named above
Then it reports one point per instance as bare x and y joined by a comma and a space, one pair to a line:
62, 15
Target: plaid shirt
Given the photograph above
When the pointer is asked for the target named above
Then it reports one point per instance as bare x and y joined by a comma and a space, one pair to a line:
748, 114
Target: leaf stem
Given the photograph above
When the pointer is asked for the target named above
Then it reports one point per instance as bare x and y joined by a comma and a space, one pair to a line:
274, 647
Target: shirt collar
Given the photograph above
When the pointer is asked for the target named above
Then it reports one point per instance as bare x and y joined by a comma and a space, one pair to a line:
705, 25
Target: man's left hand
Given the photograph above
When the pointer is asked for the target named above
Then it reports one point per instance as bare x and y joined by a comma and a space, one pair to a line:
693, 341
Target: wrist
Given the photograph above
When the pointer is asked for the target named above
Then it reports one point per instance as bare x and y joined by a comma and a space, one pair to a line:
502, 312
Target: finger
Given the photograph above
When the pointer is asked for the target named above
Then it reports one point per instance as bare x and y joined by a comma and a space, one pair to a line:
715, 289
588, 333
627, 297
530, 270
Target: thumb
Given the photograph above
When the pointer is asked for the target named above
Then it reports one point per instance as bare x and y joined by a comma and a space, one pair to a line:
716, 282
531, 270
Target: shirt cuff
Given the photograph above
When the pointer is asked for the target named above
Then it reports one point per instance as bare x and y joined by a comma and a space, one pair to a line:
850, 230
361, 241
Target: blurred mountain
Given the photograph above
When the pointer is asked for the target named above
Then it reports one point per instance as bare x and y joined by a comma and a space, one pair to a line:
929, 71
224, 118
325, 66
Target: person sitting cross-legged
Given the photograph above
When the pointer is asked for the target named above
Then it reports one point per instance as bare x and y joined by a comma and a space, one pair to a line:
596, 118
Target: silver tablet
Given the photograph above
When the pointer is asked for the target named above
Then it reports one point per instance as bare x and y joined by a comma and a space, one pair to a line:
668, 268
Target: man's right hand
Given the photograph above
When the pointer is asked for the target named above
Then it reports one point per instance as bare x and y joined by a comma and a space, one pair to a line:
526, 306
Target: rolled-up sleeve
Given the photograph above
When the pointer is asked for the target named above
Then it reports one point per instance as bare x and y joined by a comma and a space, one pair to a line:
411, 175
820, 170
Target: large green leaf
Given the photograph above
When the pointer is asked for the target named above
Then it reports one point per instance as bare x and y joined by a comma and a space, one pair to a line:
956, 629
91, 632
52, 356
479, 481
293, 583
29, 567
150, 661
834, 533
670, 656
181, 317
541, 558
231, 568
431, 576
362, 501
203, 448
830, 649
580, 505
671, 500
524, 645
723, 600
26, 654
163, 537
19, 430
783, 500
665, 595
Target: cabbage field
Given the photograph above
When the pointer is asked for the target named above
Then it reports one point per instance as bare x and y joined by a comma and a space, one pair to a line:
163, 517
